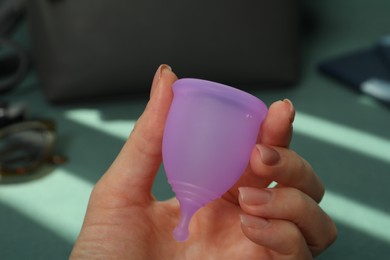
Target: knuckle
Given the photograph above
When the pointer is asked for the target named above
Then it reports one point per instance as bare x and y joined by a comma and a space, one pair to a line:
294, 238
332, 235
300, 200
320, 192
327, 239
145, 141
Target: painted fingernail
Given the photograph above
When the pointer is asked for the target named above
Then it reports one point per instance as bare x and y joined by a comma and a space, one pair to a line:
268, 155
254, 196
291, 108
253, 222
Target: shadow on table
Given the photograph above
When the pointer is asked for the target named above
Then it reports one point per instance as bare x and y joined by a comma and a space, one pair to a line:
22, 238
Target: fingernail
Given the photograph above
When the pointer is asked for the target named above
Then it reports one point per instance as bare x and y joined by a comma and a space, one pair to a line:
291, 108
268, 155
253, 222
158, 75
254, 196
163, 68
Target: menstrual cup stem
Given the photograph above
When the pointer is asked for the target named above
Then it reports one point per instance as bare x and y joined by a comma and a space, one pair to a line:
188, 209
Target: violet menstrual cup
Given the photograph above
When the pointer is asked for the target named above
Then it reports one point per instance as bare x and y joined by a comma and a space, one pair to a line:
209, 135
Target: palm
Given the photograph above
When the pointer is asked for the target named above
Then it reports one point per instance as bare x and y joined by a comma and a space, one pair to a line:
214, 227
147, 232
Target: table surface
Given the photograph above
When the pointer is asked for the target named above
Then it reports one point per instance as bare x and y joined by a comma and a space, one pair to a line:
345, 135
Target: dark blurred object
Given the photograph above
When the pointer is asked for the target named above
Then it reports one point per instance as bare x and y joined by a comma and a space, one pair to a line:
14, 61
26, 149
366, 70
11, 14
11, 114
99, 49
383, 49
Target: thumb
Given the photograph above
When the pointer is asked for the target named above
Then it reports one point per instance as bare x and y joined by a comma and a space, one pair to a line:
133, 172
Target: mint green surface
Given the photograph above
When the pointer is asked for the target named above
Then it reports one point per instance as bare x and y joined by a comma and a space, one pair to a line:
343, 134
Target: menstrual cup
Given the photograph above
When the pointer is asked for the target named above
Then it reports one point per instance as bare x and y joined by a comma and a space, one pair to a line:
210, 132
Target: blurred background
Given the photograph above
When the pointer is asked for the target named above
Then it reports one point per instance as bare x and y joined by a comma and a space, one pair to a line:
342, 129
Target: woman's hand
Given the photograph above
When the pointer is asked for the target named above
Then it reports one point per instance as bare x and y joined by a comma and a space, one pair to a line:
250, 221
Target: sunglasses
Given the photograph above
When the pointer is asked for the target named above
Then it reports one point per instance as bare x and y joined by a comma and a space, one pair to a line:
26, 150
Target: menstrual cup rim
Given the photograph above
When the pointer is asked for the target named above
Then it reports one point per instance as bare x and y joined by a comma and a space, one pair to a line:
220, 90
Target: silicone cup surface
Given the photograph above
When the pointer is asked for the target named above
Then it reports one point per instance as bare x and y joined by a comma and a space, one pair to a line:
210, 132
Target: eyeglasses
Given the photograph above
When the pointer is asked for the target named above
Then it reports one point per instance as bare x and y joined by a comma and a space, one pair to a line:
25, 148
14, 61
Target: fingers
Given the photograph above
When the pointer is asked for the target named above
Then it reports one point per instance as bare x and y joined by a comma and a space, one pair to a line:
279, 164
134, 169
289, 205
287, 168
276, 129
282, 238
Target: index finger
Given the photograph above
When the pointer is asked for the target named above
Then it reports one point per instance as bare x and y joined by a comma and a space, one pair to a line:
276, 130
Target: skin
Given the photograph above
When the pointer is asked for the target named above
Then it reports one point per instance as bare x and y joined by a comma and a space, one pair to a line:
251, 221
